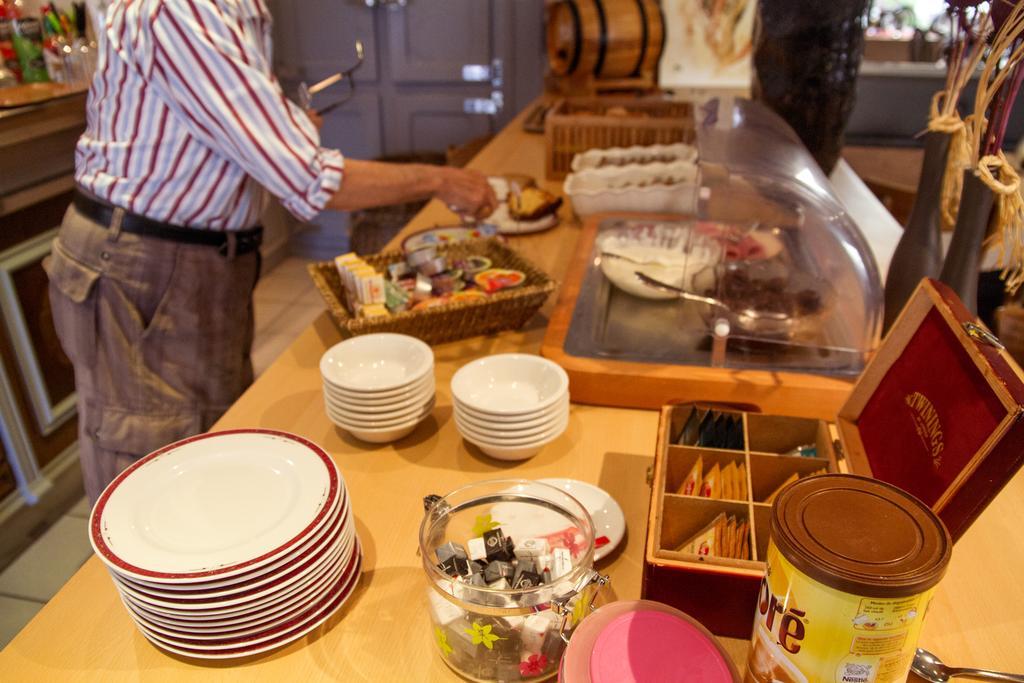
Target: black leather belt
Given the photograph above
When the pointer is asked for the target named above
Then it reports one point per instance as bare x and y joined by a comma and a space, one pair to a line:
245, 240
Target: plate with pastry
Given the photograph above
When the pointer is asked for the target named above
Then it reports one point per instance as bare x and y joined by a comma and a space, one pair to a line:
530, 209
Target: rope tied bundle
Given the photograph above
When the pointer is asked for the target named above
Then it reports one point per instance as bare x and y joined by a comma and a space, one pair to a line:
1006, 229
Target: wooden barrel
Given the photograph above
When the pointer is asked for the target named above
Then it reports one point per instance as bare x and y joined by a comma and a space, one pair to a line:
605, 38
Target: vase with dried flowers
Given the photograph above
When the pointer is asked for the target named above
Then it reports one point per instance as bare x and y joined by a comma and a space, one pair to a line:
919, 251
991, 202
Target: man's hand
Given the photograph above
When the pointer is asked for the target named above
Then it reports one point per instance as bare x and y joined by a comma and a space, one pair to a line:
466, 192
318, 121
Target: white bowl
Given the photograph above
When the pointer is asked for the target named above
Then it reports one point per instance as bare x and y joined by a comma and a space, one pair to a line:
491, 439
348, 420
425, 385
386, 435
513, 421
376, 362
378, 412
397, 411
500, 427
511, 384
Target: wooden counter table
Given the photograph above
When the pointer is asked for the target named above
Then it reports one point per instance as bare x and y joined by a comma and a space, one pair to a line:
383, 632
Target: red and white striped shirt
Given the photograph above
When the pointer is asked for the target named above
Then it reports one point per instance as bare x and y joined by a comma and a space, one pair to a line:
186, 120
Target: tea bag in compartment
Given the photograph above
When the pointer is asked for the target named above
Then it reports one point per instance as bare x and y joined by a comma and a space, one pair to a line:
690, 432
729, 488
721, 437
707, 430
712, 484
730, 537
704, 541
735, 437
742, 544
691, 484
741, 478
789, 480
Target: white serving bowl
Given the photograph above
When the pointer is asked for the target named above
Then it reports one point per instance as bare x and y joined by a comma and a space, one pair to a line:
492, 439
360, 423
501, 427
670, 253
511, 384
423, 386
376, 362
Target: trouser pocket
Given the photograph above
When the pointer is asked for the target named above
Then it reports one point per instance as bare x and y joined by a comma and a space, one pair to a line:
72, 298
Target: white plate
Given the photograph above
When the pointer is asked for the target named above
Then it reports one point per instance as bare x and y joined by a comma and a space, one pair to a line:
609, 521
310, 545
293, 586
214, 505
300, 577
341, 524
510, 226
376, 362
276, 607
527, 522
186, 630
339, 599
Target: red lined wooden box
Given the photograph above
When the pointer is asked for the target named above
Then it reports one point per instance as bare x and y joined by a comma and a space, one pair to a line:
937, 412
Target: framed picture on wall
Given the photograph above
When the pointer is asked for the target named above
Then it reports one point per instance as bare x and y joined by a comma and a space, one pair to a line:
708, 45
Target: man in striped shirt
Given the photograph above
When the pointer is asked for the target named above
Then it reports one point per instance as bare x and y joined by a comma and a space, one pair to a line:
152, 273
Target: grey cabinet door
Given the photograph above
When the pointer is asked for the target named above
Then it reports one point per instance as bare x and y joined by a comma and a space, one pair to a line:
410, 91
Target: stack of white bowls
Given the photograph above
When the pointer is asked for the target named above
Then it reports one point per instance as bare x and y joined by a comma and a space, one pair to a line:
511, 405
378, 387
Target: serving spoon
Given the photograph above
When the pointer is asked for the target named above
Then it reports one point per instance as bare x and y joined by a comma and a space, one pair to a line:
929, 667
748, 313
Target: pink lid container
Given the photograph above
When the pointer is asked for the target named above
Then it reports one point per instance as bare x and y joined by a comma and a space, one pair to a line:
641, 641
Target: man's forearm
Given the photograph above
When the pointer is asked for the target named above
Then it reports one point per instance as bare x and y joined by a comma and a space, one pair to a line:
372, 183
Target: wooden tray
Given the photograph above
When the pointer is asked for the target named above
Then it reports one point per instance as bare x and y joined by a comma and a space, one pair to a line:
505, 310
631, 384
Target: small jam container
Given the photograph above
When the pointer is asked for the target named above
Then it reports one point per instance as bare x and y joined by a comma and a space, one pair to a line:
852, 566
502, 628
640, 641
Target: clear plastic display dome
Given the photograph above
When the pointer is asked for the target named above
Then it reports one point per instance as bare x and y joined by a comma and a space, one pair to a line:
776, 273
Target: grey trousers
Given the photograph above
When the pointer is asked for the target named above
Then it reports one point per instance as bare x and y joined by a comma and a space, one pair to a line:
159, 333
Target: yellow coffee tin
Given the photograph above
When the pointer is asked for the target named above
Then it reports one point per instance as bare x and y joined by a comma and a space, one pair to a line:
851, 569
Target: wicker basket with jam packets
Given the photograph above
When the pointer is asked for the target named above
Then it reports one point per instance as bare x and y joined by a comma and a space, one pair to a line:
483, 305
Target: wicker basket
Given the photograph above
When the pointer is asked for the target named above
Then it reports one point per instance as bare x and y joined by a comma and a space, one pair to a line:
577, 124
505, 310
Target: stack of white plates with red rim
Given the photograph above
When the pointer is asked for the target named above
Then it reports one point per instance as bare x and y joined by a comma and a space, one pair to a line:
229, 544
378, 387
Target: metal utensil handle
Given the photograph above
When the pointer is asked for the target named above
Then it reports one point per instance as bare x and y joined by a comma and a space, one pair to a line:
985, 674
665, 287
560, 605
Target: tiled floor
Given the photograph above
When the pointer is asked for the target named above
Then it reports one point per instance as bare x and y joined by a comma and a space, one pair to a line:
286, 302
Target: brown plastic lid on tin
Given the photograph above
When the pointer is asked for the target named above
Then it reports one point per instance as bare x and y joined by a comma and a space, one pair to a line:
860, 535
